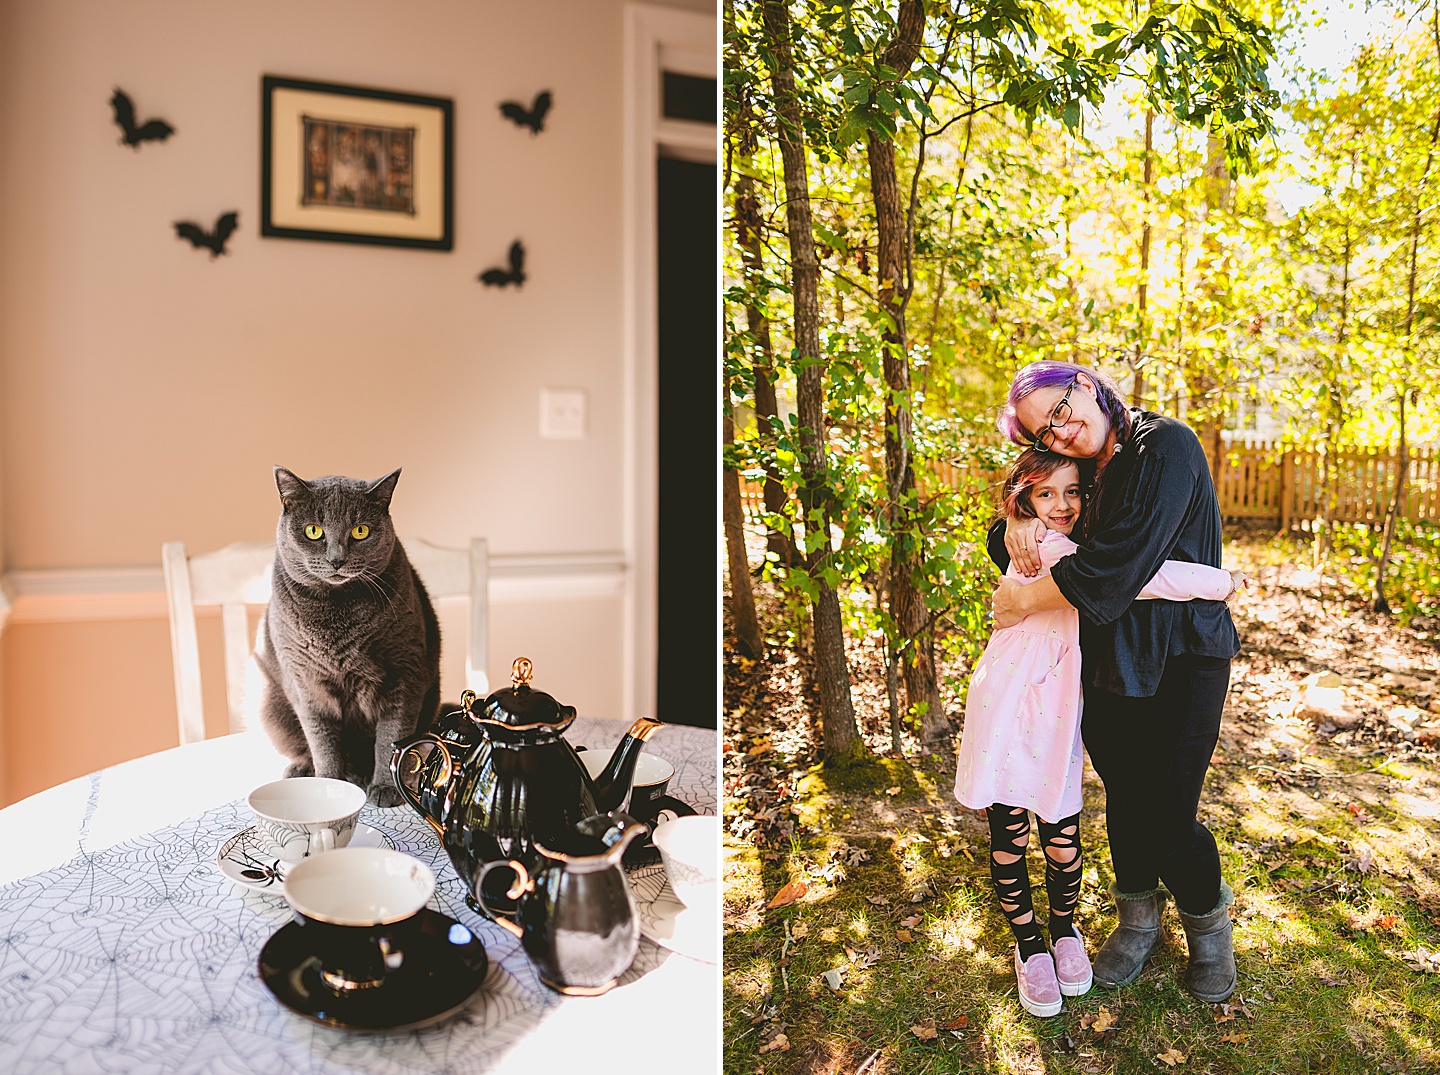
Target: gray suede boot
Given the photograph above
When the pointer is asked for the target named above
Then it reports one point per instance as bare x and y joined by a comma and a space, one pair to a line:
1210, 975
1122, 957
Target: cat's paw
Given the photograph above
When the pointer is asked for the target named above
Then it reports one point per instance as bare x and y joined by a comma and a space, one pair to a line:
385, 795
299, 769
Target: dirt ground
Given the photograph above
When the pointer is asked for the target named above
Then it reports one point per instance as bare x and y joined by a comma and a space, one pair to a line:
1323, 795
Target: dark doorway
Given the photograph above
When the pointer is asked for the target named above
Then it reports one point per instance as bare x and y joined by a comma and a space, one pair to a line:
689, 392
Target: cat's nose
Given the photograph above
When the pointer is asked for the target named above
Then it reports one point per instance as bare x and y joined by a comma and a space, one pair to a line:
336, 561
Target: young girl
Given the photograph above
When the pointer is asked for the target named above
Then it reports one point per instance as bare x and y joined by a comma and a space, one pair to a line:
1020, 749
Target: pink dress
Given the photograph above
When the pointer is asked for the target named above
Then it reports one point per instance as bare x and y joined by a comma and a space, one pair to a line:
1021, 741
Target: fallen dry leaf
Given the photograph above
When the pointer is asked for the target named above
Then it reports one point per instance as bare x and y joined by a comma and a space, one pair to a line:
1100, 1021
903, 935
893, 791
833, 977
878, 901
958, 1023
799, 931
925, 1031
1422, 959
911, 922
759, 748
792, 891
779, 1043
1170, 1057
1386, 921
1238, 1037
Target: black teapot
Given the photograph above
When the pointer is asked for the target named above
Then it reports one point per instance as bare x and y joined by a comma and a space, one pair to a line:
499, 777
575, 914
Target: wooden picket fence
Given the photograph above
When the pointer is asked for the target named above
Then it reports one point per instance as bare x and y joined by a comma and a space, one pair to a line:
1258, 481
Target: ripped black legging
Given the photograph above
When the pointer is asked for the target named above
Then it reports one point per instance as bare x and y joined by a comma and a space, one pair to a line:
1009, 836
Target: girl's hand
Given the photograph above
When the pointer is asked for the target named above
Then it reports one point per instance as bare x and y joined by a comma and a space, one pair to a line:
1238, 581
1022, 536
1005, 603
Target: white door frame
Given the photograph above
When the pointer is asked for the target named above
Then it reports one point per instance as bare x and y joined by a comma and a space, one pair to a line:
656, 40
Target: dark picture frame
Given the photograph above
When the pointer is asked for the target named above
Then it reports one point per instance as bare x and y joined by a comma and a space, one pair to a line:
352, 164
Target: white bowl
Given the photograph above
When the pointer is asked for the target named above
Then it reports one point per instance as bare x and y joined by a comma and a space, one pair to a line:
690, 849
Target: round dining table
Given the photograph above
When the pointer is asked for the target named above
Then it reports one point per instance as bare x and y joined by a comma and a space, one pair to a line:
123, 947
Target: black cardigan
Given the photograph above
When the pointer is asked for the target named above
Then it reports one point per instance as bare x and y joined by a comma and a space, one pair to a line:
1154, 502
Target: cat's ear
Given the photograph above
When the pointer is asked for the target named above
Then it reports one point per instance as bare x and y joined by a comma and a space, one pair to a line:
290, 486
382, 489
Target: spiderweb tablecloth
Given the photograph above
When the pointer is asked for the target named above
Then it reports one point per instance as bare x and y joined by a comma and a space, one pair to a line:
142, 957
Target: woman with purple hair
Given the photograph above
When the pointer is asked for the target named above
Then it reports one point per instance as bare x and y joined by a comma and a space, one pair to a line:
1154, 673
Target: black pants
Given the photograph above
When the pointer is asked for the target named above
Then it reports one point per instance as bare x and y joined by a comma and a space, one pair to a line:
1152, 754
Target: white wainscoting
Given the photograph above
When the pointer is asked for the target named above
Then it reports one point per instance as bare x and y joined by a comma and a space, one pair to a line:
97, 594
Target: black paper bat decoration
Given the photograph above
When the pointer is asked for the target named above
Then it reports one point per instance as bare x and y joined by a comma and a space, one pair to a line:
155, 130
213, 241
516, 273
534, 118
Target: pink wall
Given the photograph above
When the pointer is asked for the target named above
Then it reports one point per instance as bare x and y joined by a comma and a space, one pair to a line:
146, 391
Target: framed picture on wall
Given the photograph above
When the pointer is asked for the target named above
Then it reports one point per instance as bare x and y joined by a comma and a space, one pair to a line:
348, 164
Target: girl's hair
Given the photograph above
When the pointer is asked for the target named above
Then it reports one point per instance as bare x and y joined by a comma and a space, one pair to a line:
1030, 468
1050, 374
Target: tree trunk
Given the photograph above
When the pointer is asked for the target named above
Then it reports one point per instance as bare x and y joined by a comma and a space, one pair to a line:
1325, 540
907, 607
1397, 505
1202, 382
1143, 288
1402, 469
748, 637
747, 227
840, 735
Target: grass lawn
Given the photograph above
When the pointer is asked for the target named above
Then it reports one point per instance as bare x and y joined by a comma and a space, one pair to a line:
1327, 835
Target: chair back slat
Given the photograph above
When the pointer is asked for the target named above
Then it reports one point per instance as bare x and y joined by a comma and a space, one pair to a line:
445, 572
235, 623
477, 678
184, 645
238, 573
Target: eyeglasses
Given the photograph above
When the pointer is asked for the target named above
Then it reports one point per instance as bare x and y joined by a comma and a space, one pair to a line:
1045, 440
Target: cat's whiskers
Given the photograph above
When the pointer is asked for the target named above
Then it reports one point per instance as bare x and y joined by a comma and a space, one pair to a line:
372, 579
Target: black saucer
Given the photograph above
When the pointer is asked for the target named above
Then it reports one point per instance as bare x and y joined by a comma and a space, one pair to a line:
436, 982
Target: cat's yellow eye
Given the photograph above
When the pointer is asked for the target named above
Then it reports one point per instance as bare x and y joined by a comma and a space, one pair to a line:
360, 532
314, 532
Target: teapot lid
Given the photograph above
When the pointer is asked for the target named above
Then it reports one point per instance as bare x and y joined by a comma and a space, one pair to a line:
519, 707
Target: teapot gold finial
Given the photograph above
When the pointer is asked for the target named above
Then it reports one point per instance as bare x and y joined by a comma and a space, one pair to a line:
520, 671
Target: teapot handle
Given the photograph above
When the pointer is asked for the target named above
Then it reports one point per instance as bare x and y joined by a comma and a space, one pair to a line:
404, 747
522, 884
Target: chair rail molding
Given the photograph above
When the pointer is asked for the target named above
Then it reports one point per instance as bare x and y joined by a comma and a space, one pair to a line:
656, 39
95, 594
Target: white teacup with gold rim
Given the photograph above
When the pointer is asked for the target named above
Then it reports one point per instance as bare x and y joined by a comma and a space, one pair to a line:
305, 815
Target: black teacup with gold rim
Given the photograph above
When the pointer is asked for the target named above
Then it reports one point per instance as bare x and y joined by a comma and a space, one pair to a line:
359, 909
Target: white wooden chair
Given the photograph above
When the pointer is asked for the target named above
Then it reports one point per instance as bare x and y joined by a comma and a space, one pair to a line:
239, 575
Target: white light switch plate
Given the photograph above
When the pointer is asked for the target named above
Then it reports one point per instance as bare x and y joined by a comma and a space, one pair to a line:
562, 413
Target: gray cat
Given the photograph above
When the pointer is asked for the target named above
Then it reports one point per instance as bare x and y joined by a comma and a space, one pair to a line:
349, 645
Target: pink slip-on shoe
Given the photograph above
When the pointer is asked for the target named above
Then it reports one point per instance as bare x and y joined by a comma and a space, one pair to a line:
1072, 967
1039, 988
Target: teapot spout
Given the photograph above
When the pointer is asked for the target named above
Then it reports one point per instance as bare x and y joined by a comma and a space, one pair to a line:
613, 783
